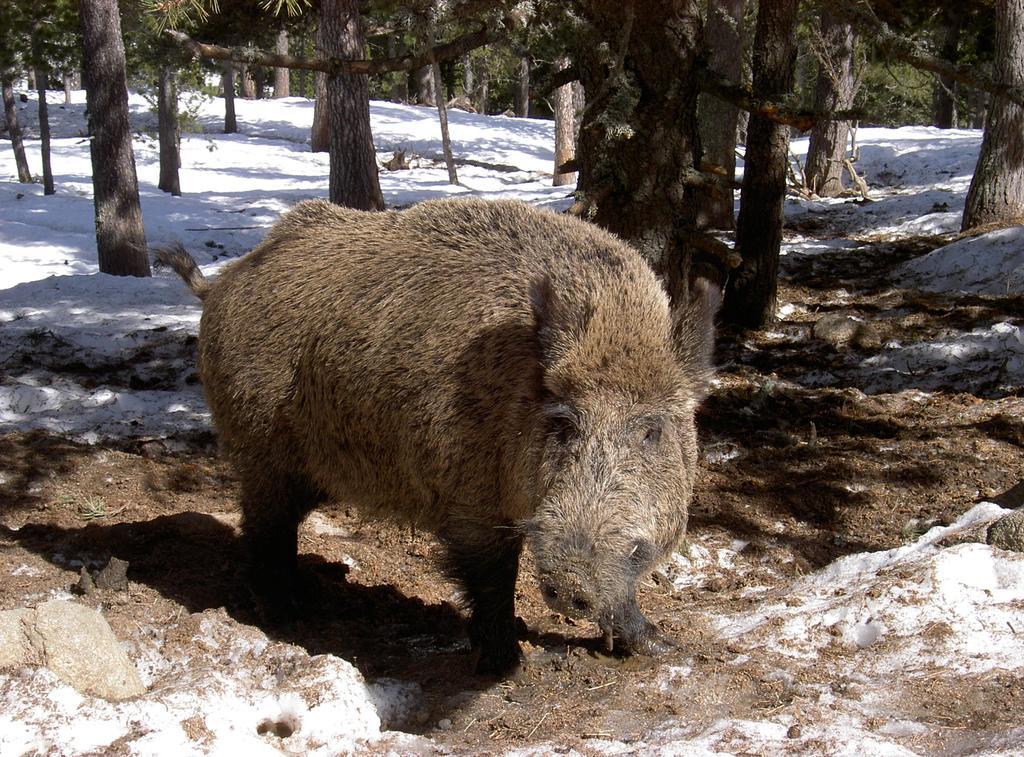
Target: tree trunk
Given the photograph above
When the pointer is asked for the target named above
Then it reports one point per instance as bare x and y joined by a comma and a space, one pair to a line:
281, 75
67, 88
997, 189
399, 80
425, 86
467, 75
521, 96
170, 139
565, 128
724, 40
639, 142
834, 90
320, 138
446, 140
43, 82
227, 81
751, 294
944, 100
120, 236
14, 129
485, 90
303, 75
246, 82
30, 75
353, 181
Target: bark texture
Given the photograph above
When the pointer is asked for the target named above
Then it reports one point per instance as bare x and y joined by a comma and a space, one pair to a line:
227, 81
43, 84
950, 25
320, 138
521, 96
120, 236
170, 138
718, 119
14, 129
639, 144
565, 128
834, 90
282, 86
997, 189
752, 291
353, 181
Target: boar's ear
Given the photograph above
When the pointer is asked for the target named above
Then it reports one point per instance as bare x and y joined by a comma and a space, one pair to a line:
560, 323
693, 333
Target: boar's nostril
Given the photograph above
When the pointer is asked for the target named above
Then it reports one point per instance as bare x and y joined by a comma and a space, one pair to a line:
581, 604
549, 592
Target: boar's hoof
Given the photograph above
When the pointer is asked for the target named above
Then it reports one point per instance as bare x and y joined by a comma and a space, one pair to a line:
499, 661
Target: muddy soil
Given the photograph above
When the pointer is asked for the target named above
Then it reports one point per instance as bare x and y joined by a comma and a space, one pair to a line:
802, 475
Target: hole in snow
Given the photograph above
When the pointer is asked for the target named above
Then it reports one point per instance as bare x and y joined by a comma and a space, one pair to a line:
282, 728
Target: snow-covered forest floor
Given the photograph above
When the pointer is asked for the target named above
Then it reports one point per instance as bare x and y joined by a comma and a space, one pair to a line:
836, 594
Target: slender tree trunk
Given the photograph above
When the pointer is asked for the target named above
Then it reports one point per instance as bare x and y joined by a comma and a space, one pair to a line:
724, 35
944, 100
30, 75
120, 236
522, 91
485, 90
14, 129
227, 81
302, 75
639, 144
353, 181
43, 82
751, 293
565, 128
834, 90
997, 189
282, 83
320, 138
67, 88
167, 116
446, 140
467, 76
400, 80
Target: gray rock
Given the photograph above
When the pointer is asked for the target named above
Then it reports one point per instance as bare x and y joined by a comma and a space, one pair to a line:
1008, 532
840, 330
73, 641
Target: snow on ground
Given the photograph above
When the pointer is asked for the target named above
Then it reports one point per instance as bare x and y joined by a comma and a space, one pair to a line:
134, 337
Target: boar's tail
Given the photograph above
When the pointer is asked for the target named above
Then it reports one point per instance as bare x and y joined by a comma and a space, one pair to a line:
184, 265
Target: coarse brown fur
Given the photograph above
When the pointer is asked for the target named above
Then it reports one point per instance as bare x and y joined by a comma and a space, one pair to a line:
484, 369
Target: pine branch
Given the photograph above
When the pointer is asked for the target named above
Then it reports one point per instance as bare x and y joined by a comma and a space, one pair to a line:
901, 48
455, 48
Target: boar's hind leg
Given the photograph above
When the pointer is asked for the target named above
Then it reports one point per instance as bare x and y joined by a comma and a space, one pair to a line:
486, 561
273, 506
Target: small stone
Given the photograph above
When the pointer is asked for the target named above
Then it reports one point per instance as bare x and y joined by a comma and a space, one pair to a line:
840, 330
444, 724
113, 576
85, 585
1008, 532
794, 732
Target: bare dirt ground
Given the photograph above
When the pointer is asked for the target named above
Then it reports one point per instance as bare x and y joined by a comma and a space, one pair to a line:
804, 475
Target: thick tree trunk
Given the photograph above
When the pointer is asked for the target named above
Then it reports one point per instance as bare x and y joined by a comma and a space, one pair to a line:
639, 144
751, 293
425, 94
167, 119
320, 137
565, 128
353, 181
227, 81
120, 236
724, 40
282, 84
997, 189
43, 83
521, 96
14, 129
834, 90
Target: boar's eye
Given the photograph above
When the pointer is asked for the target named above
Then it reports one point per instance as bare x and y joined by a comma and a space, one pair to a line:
651, 433
562, 422
641, 555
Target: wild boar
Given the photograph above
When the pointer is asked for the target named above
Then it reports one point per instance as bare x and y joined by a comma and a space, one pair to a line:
494, 372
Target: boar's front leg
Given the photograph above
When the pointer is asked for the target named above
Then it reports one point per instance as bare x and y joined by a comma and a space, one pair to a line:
486, 561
